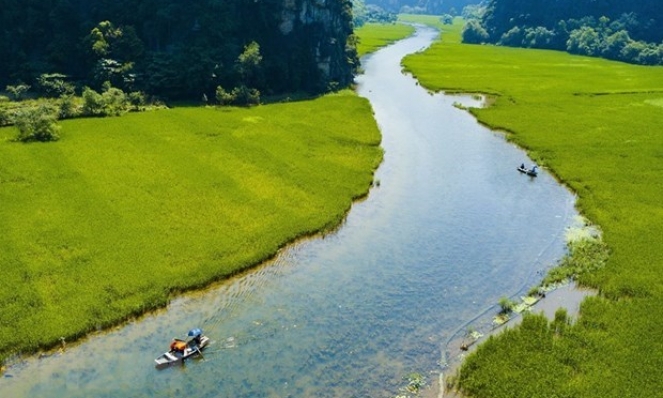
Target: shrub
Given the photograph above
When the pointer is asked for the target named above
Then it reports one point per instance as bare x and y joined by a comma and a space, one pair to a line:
114, 101
18, 90
584, 41
447, 19
512, 38
93, 103
506, 305
246, 96
223, 97
68, 107
474, 33
54, 85
37, 124
137, 99
538, 37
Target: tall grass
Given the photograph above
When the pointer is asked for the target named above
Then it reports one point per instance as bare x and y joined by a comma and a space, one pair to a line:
598, 125
124, 212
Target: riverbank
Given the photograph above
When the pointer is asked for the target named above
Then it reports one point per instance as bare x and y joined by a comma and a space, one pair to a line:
547, 103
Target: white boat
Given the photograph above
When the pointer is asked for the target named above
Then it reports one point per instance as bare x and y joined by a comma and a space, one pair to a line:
180, 349
530, 172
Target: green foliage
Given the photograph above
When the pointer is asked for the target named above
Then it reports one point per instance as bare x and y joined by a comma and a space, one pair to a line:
68, 107
594, 124
243, 95
447, 19
506, 305
179, 50
225, 189
54, 85
585, 27
474, 33
585, 256
37, 124
370, 13
18, 90
223, 97
112, 102
248, 63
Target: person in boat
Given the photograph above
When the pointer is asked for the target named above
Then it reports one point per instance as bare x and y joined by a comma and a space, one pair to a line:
534, 168
522, 166
177, 345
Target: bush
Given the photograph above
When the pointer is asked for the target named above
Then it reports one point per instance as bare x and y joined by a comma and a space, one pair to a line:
447, 19
37, 124
243, 95
474, 33
584, 41
538, 37
512, 38
68, 108
54, 85
93, 103
137, 99
18, 90
115, 101
5, 117
112, 102
223, 97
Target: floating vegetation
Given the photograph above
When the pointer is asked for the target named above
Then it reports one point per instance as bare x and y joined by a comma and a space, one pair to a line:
415, 382
582, 229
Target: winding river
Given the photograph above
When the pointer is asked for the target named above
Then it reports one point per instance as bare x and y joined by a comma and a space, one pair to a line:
450, 228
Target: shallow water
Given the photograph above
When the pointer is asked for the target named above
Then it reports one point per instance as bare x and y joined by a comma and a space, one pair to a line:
450, 229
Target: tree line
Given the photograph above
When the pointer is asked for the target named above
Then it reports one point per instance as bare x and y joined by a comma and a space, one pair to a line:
618, 30
179, 49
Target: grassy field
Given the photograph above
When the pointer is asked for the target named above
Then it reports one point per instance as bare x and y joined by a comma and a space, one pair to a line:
122, 213
598, 125
373, 36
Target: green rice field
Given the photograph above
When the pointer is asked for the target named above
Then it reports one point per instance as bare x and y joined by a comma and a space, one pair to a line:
598, 126
374, 35
122, 213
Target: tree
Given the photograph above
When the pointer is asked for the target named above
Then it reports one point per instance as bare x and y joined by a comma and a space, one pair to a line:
37, 124
584, 41
223, 97
538, 37
18, 90
248, 63
54, 84
474, 33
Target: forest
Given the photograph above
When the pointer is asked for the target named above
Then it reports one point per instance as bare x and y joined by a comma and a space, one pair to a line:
434, 7
617, 30
179, 49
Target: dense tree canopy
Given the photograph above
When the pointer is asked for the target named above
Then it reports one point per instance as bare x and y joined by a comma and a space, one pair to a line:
178, 48
423, 6
620, 30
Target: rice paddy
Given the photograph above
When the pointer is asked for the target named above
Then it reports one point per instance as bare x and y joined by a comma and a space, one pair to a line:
373, 36
122, 213
598, 126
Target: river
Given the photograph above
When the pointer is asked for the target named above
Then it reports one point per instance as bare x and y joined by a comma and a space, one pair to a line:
450, 228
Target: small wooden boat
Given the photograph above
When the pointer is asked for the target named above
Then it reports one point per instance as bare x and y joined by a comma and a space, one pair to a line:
530, 172
180, 349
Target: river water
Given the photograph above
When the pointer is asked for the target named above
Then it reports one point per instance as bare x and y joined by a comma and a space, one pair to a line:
450, 228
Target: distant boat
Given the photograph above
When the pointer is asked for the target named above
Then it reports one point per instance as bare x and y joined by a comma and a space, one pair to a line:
183, 349
530, 172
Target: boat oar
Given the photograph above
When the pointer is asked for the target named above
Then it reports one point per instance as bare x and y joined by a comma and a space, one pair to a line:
200, 352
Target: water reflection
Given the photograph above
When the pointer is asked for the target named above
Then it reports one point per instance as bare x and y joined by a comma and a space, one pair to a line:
450, 229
